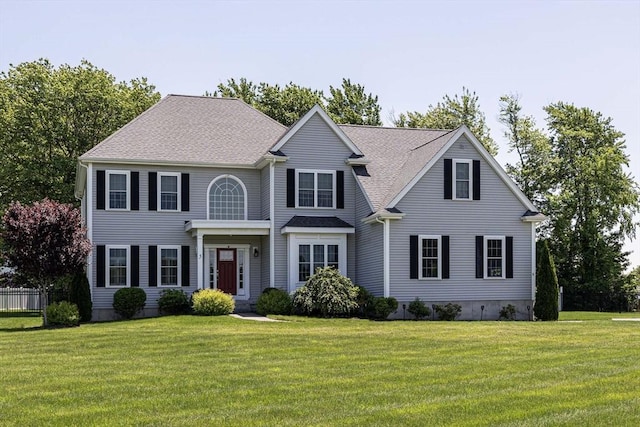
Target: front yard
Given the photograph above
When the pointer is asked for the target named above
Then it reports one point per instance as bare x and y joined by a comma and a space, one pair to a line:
223, 371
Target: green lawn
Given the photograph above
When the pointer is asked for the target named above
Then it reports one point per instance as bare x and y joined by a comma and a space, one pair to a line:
224, 371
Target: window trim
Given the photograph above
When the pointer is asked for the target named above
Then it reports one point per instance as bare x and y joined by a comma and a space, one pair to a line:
107, 254
315, 173
294, 240
503, 258
178, 176
159, 266
107, 185
421, 237
244, 188
454, 180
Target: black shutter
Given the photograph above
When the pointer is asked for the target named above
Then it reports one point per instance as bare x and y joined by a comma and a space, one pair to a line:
184, 192
476, 180
185, 265
100, 188
447, 179
413, 257
100, 260
135, 266
153, 191
153, 266
135, 191
340, 189
445, 257
291, 188
509, 259
479, 257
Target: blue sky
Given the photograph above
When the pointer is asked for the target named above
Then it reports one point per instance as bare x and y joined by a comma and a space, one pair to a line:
409, 53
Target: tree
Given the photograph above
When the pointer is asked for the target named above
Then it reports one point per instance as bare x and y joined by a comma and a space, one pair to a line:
351, 105
546, 305
49, 117
592, 202
535, 166
452, 113
287, 105
44, 241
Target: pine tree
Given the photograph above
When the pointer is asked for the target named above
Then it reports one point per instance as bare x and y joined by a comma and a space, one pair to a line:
546, 305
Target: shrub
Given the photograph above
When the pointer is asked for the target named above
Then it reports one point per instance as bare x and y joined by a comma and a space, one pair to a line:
508, 312
546, 305
127, 302
448, 311
419, 309
80, 295
327, 293
274, 301
382, 307
173, 301
212, 302
63, 313
364, 301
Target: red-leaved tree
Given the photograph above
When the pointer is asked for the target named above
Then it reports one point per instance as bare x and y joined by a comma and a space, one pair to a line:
44, 241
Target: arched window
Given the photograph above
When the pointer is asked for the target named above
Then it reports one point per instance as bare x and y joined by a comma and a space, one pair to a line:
227, 199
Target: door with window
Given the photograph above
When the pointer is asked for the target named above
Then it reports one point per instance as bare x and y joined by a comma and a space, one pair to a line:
227, 270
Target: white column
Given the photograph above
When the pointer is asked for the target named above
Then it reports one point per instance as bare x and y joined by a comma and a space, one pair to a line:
533, 261
386, 258
200, 258
272, 210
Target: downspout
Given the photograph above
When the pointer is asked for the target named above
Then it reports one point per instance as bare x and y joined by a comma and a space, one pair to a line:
533, 262
272, 208
385, 253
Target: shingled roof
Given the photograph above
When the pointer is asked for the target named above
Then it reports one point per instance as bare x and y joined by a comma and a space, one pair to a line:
192, 130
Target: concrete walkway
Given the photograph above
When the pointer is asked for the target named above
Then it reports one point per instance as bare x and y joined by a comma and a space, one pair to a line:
626, 319
253, 316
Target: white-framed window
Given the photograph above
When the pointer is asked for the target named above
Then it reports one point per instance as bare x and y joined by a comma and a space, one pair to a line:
307, 251
494, 257
430, 257
227, 197
312, 256
169, 265
169, 191
118, 262
463, 179
118, 188
315, 189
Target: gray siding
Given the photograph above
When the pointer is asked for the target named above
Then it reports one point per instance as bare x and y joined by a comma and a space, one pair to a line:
145, 228
369, 249
497, 213
329, 153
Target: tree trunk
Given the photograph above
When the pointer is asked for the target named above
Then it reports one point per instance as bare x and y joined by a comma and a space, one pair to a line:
44, 300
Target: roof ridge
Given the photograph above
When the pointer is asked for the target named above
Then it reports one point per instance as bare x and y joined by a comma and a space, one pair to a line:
434, 139
393, 127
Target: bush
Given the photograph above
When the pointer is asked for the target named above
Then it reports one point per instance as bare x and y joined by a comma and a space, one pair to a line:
448, 311
364, 301
63, 313
212, 302
173, 301
80, 295
382, 307
127, 302
327, 293
419, 309
546, 305
274, 301
508, 312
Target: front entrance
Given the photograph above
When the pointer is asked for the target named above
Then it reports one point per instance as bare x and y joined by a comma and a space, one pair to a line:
226, 268
227, 271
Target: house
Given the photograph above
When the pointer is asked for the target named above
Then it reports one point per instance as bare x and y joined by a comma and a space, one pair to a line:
201, 192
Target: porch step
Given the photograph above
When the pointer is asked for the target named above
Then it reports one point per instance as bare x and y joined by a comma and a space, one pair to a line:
244, 307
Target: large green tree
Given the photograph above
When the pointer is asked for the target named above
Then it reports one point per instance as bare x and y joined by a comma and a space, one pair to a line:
592, 201
451, 113
49, 116
348, 104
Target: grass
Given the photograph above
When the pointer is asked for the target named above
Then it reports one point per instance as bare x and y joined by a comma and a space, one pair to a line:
314, 372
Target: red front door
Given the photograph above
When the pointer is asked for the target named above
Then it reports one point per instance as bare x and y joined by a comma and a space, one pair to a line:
227, 270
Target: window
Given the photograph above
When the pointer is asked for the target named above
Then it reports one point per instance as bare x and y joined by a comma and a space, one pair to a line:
227, 199
118, 262
118, 189
315, 189
169, 265
430, 257
316, 256
494, 257
463, 180
169, 191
